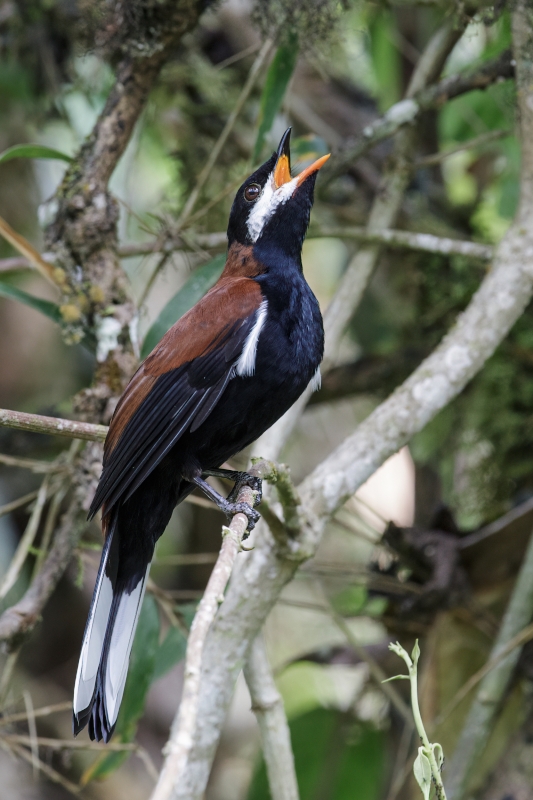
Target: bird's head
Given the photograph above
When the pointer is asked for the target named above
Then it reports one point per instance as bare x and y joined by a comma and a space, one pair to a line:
272, 209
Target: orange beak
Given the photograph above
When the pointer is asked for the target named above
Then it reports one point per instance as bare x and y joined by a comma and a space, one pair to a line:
282, 170
315, 166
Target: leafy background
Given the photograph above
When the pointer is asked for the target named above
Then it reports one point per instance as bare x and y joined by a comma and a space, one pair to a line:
346, 64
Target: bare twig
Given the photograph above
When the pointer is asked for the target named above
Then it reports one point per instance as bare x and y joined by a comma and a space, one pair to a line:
525, 635
29, 252
425, 242
32, 729
181, 739
267, 705
45, 711
374, 669
52, 425
471, 144
47, 770
18, 620
17, 562
186, 559
7, 508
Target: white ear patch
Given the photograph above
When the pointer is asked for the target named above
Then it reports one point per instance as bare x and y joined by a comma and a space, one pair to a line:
269, 199
246, 363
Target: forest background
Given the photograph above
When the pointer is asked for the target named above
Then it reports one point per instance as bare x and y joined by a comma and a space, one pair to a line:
125, 129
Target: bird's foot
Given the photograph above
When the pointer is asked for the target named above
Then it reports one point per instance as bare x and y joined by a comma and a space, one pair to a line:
229, 506
232, 508
245, 479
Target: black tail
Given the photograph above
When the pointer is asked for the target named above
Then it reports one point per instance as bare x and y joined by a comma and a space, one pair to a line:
105, 652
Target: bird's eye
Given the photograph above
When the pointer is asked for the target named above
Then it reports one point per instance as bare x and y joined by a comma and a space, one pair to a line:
252, 192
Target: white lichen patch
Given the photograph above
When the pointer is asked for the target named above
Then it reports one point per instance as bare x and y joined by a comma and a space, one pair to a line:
432, 392
457, 359
107, 333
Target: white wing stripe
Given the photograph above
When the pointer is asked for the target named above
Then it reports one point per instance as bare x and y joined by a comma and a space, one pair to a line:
246, 363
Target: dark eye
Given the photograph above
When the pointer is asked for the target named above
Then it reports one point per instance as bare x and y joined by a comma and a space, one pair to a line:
252, 192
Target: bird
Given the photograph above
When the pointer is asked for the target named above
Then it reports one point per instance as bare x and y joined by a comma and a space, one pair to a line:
219, 378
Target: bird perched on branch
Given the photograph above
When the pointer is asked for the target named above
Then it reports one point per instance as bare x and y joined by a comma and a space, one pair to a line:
222, 375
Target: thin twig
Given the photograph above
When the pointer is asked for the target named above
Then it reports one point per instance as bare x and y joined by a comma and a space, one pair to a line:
470, 144
7, 508
374, 669
18, 620
186, 559
17, 562
7, 674
219, 144
525, 635
47, 770
29, 463
32, 729
424, 242
181, 738
28, 251
267, 705
44, 711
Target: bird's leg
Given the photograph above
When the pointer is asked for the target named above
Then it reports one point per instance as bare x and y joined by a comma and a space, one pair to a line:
240, 479
229, 507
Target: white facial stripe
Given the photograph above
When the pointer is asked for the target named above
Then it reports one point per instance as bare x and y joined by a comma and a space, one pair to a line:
246, 363
269, 199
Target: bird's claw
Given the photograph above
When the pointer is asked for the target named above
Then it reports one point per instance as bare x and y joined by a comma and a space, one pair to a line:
243, 508
255, 484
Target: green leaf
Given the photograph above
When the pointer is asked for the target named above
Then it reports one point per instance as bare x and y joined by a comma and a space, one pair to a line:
32, 151
140, 675
201, 280
335, 756
422, 771
277, 79
47, 308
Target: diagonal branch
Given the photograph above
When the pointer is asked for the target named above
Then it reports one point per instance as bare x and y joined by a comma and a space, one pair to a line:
407, 111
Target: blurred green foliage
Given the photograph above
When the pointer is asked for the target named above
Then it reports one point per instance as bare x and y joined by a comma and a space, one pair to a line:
336, 757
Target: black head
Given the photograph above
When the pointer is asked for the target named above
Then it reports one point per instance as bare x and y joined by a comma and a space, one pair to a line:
273, 209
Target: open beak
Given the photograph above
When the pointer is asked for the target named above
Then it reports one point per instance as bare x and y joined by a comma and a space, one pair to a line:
282, 170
